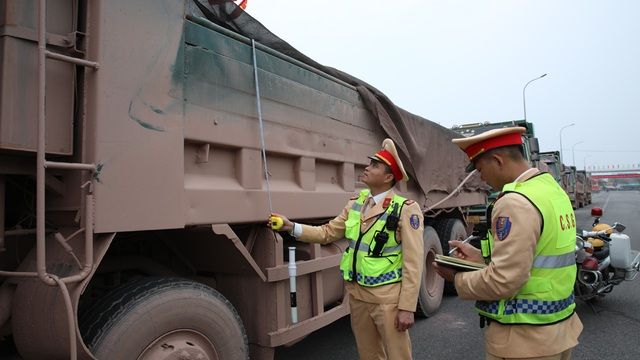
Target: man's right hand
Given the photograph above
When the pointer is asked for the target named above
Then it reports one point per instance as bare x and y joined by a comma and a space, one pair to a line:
466, 251
287, 225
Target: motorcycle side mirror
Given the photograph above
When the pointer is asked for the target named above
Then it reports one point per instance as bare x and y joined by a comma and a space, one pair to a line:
596, 211
619, 227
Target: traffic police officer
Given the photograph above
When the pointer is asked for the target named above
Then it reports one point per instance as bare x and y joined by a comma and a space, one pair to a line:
383, 265
526, 291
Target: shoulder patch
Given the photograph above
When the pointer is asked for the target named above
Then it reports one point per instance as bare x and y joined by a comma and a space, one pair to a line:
503, 227
408, 202
414, 220
354, 198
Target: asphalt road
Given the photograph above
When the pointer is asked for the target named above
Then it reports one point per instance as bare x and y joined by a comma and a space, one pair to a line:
613, 332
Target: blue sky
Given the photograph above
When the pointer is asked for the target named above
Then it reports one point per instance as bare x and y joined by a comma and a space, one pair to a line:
466, 61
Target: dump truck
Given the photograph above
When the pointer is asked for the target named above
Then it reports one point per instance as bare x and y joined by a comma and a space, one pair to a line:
530, 147
569, 183
580, 194
143, 145
553, 165
575, 184
583, 188
530, 141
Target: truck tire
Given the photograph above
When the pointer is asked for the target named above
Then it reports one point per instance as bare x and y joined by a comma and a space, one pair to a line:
450, 229
164, 318
432, 285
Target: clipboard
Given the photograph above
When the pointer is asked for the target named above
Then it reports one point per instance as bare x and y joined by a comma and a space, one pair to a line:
458, 264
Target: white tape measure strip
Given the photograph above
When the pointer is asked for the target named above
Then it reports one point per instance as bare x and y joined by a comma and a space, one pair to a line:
259, 106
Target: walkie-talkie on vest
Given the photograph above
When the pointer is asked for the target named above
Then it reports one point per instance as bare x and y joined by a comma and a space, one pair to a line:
381, 237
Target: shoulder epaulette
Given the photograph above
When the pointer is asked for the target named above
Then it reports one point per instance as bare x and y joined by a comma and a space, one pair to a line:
408, 202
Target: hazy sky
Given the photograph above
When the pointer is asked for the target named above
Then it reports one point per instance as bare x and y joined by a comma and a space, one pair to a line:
458, 62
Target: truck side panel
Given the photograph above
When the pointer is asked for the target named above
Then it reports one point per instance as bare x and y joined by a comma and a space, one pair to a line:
135, 114
182, 127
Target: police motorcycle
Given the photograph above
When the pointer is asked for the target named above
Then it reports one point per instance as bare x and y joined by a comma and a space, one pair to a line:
604, 258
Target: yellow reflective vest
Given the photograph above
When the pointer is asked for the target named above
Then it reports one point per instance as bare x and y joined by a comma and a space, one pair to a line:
547, 297
359, 258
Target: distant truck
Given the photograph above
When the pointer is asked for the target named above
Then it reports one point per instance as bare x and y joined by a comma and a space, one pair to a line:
133, 197
551, 161
530, 147
570, 183
580, 190
583, 188
530, 141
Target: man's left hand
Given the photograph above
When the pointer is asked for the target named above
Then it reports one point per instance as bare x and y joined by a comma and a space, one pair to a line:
447, 273
404, 320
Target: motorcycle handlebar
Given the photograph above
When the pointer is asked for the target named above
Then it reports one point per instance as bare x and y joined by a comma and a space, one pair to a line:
602, 234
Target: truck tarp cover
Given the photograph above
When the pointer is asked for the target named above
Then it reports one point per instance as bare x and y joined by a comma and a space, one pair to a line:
426, 147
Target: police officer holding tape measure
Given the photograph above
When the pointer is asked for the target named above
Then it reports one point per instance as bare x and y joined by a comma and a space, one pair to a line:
383, 265
525, 293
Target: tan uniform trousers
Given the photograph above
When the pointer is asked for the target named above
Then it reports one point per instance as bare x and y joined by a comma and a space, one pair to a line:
565, 355
376, 336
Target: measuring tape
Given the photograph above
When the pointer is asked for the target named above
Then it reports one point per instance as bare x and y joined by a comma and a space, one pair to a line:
275, 222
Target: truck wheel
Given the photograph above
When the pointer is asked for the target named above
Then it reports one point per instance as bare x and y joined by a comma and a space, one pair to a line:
450, 229
432, 285
164, 318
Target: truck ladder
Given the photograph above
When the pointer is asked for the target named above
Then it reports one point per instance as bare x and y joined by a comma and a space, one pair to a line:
41, 165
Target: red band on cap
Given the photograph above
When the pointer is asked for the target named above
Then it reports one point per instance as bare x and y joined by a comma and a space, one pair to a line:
492, 143
388, 159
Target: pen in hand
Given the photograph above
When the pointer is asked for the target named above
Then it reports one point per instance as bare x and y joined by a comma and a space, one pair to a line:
464, 242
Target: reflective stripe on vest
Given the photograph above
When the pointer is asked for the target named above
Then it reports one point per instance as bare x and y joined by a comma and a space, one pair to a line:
371, 270
547, 296
365, 247
526, 306
554, 261
377, 280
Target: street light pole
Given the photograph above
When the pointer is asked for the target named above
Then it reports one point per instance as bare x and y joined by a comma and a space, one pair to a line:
562, 128
573, 153
524, 102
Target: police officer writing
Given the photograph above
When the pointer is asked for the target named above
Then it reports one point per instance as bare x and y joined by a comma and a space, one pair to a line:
382, 266
525, 293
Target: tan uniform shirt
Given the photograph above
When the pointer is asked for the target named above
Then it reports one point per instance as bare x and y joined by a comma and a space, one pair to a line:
404, 293
511, 261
